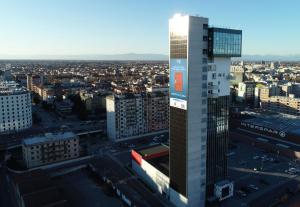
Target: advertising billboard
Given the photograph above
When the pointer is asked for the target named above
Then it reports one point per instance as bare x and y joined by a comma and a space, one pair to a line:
264, 130
178, 83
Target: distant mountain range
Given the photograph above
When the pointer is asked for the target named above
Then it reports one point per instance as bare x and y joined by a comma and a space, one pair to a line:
127, 56
145, 56
270, 57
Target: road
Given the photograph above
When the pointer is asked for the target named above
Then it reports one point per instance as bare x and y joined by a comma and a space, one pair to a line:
5, 196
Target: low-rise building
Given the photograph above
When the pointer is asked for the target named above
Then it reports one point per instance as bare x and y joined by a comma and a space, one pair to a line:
282, 104
50, 148
63, 107
35, 188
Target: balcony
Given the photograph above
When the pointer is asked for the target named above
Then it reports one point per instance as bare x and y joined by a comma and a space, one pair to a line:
212, 87
212, 95
211, 67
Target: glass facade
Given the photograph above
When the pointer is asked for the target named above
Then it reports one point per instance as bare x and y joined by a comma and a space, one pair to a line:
178, 126
225, 42
178, 46
217, 141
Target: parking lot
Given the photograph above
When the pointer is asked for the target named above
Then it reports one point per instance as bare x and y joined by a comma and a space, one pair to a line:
257, 174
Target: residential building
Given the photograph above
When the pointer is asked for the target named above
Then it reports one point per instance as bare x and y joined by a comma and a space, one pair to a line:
131, 115
125, 116
63, 107
93, 100
246, 92
29, 82
282, 104
50, 148
291, 89
15, 107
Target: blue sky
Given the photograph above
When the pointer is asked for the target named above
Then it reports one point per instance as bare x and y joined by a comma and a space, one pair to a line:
79, 27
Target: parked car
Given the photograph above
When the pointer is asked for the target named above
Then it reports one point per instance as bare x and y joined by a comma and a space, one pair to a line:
253, 187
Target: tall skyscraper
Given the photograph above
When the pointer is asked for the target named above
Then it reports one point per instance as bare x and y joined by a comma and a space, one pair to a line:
188, 107
199, 101
222, 45
193, 170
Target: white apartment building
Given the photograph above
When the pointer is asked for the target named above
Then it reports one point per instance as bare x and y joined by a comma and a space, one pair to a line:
15, 107
50, 148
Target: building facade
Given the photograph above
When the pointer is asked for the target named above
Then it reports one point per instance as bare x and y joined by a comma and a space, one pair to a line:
157, 111
15, 105
50, 148
199, 101
188, 38
93, 100
246, 92
131, 115
223, 44
282, 104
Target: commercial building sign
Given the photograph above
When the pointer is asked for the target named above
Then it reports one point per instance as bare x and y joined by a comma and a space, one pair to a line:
178, 83
264, 129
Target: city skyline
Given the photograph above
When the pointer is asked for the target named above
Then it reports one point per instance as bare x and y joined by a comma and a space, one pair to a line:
58, 30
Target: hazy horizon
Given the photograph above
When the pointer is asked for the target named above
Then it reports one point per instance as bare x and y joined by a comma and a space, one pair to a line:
141, 57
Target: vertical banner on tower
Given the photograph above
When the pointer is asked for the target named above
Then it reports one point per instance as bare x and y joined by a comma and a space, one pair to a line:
178, 83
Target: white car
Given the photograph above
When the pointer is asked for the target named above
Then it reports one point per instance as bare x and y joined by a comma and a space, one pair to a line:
253, 187
256, 157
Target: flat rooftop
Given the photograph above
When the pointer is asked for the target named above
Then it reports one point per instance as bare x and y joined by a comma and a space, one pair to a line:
157, 156
11, 88
49, 137
148, 151
276, 122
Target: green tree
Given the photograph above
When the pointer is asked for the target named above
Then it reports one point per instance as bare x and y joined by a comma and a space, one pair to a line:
36, 99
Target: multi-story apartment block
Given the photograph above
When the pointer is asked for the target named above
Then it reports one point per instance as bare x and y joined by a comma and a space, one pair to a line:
15, 107
47, 93
130, 115
246, 92
291, 88
282, 104
93, 100
50, 148
157, 111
